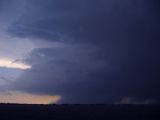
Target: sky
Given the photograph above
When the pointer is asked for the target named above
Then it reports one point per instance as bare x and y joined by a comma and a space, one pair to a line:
79, 51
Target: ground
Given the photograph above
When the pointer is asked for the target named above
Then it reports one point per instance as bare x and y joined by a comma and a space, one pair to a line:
79, 112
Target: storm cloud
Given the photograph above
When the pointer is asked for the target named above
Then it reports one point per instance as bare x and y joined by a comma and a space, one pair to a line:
107, 50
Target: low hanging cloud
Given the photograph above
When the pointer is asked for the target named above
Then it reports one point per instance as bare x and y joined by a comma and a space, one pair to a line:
132, 100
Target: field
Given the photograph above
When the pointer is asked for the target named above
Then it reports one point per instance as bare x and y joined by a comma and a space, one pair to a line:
79, 112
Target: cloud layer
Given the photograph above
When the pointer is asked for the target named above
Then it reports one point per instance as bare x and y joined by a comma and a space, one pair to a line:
96, 51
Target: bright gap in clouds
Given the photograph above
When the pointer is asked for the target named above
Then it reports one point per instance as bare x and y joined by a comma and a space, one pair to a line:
10, 64
27, 98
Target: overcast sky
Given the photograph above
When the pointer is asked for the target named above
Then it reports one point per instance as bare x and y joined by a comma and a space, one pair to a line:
80, 51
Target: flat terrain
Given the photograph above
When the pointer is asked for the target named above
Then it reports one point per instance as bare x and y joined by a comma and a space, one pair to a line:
79, 112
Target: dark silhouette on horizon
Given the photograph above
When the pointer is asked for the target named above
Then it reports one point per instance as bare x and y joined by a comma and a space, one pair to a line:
79, 112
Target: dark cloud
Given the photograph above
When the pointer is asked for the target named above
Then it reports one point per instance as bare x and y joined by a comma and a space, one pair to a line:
89, 75
112, 52
85, 20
